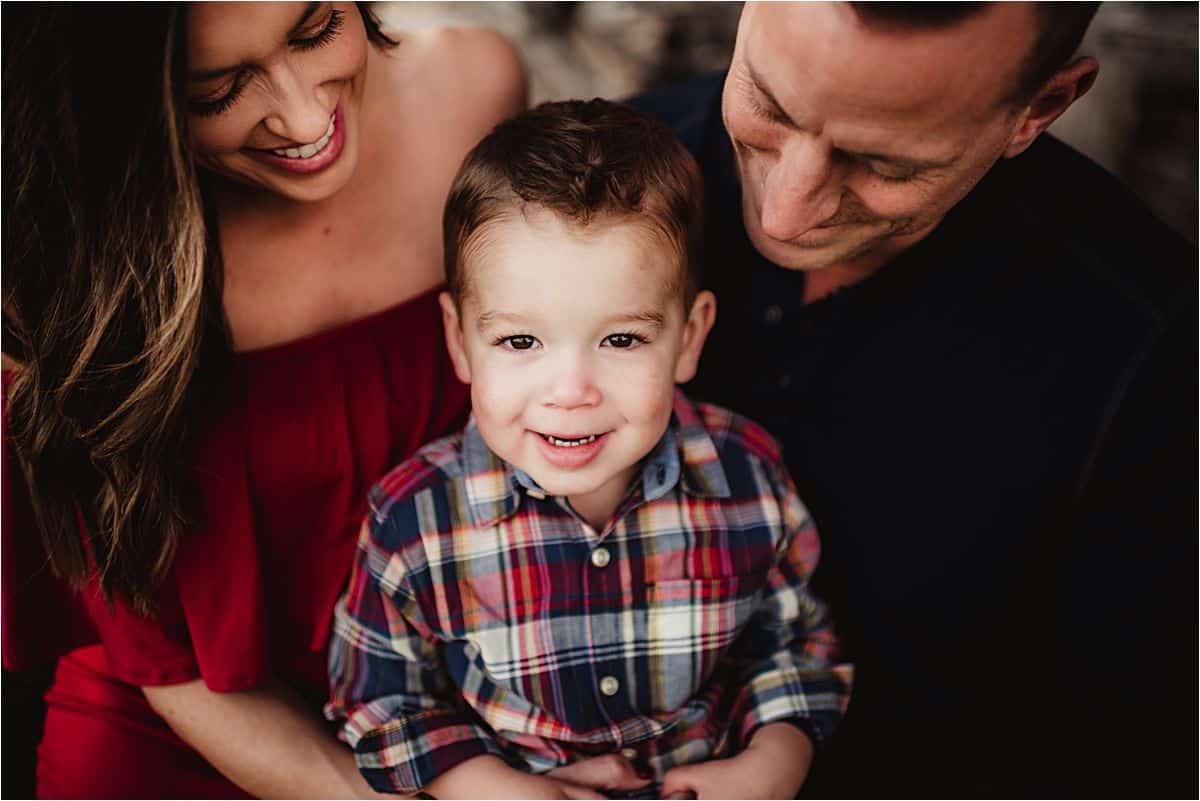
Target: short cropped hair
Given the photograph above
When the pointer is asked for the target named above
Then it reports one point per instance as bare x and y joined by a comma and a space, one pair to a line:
585, 161
1061, 27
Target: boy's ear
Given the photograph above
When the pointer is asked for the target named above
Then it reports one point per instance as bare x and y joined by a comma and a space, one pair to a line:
695, 330
454, 338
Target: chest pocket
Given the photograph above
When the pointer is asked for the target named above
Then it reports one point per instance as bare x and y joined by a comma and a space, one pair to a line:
688, 624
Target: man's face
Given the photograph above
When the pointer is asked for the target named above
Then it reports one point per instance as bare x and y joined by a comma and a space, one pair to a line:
572, 340
853, 143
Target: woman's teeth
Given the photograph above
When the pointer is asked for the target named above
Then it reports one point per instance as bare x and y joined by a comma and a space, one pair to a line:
570, 443
307, 151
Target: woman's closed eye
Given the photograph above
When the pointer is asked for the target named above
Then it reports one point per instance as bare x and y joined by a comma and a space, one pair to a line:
219, 103
324, 35
222, 102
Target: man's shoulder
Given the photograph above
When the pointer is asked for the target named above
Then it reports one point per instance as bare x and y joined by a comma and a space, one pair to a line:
1088, 222
689, 108
435, 469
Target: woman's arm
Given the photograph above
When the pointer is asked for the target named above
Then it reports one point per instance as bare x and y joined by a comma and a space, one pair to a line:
263, 740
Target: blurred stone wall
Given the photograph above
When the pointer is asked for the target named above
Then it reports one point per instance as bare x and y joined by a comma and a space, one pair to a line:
1139, 120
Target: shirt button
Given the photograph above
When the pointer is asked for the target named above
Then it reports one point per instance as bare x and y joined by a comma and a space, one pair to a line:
629, 753
609, 685
600, 558
773, 314
785, 380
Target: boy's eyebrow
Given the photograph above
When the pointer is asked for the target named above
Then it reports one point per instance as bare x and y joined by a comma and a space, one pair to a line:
649, 317
488, 317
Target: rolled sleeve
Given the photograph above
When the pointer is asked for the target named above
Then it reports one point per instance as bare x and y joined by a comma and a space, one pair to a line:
389, 686
407, 753
790, 671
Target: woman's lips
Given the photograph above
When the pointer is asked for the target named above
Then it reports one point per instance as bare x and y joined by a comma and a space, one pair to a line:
314, 163
570, 457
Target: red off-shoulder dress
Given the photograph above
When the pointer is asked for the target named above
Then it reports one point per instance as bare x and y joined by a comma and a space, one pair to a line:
284, 468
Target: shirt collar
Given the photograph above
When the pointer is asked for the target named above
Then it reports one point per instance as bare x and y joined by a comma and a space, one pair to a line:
685, 454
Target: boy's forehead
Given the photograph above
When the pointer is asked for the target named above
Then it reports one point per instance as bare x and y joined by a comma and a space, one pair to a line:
619, 266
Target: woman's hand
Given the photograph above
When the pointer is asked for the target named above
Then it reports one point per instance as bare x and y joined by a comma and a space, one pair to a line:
774, 765
489, 777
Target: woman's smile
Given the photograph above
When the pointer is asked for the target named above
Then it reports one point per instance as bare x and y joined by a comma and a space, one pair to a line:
308, 158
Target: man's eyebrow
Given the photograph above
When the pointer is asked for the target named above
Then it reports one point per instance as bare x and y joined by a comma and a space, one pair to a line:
766, 106
208, 75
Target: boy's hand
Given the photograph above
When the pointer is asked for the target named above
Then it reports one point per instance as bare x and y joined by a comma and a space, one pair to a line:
774, 765
490, 777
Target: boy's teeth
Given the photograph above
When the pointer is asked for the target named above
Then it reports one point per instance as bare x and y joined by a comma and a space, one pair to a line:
306, 151
570, 443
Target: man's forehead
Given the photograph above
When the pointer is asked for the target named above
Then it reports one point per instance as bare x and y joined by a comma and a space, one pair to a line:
822, 55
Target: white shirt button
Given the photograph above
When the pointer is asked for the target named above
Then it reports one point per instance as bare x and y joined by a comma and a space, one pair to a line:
609, 685
601, 557
629, 753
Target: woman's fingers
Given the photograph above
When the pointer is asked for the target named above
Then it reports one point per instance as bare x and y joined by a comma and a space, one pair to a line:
610, 772
572, 790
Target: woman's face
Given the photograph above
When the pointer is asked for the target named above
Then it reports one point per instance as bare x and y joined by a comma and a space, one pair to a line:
275, 92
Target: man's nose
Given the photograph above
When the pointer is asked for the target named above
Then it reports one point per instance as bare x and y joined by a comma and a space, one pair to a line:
572, 385
302, 111
801, 190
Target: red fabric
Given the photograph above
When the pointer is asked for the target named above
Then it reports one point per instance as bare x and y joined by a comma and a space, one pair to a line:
284, 468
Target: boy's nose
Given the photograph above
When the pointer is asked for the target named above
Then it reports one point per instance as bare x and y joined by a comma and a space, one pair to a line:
572, 389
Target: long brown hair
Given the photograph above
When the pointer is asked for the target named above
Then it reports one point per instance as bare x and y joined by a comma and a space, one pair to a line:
112, 301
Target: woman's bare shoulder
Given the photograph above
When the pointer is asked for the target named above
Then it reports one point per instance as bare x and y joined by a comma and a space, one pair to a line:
472, 77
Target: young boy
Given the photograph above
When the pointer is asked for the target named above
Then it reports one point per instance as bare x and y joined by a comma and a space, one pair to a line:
595, 565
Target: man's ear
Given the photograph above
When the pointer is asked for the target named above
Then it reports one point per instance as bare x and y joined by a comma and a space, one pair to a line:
695, 330
1056, 96
454, 338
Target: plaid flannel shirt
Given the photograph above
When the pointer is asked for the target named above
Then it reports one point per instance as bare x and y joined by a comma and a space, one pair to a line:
483, 617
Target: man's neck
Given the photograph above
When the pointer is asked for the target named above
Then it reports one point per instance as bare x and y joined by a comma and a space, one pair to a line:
820, 284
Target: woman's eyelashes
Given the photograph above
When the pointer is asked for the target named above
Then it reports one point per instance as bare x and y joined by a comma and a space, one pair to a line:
328, 32
209, 108
325, 35
626, 340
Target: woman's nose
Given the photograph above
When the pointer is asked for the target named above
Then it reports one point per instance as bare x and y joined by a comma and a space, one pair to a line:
302, 113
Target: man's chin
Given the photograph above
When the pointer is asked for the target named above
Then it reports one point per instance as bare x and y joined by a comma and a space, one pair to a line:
807, 256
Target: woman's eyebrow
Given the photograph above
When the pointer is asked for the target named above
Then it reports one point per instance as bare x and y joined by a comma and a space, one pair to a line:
208, 75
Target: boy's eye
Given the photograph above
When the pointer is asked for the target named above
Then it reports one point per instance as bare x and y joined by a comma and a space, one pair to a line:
623, 340
519, 342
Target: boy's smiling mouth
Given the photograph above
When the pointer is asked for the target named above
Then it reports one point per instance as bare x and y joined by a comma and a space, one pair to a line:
570, 452
569, 442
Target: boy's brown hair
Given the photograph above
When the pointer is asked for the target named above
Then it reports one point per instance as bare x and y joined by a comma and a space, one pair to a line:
586, 161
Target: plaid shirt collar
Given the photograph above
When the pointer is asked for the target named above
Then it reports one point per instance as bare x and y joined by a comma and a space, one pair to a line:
685, 454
